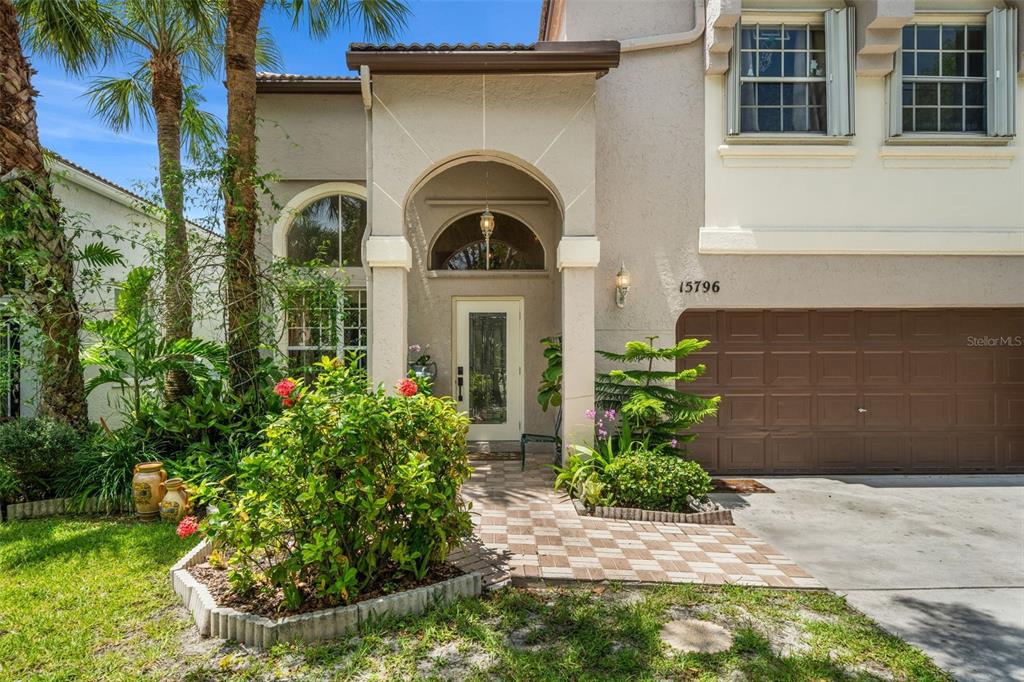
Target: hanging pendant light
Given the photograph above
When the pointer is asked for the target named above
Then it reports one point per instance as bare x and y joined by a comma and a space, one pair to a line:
487, 222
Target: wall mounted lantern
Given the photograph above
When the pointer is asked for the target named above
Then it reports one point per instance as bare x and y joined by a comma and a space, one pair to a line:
487, 229
622, 283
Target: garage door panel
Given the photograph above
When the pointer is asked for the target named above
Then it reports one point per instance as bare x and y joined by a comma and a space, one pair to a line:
840, 453
975, 409
710, 362
704, 450
885, 454
884, 410
839, 326
835, 368
976, 452
790, 410
742, 368
789, 368
698, 324
930, 454
929, 368
926, 326
789, 327
975, 366
742, 454
880, 326
1011, 410
837, 409
792, 454
847, 391
930, 410
742, 327
882, 368
1011, 452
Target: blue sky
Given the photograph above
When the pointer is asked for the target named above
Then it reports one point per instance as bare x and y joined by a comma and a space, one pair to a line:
67, 127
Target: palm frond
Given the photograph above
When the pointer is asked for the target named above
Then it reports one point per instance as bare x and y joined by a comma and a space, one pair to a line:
200, 129
77, 33
121, 101
100, 255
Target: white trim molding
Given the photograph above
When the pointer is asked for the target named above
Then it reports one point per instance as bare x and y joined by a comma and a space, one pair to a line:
384, 251
578, 252
766, 155
941, 241
906, 155
303, 199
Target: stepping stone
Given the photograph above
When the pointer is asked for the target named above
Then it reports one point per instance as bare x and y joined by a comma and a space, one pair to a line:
692, 636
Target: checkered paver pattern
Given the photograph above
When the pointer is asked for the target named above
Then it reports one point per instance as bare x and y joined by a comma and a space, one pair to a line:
524, 529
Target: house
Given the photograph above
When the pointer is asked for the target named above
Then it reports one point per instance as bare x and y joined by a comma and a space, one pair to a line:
832, 193
98, 210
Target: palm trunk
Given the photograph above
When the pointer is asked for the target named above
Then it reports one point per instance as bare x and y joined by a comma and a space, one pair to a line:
50, 276
168, 93
240, 210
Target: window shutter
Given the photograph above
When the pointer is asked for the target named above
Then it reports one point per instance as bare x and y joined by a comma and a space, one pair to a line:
1001, 32
896, 95
839, 44
732, 86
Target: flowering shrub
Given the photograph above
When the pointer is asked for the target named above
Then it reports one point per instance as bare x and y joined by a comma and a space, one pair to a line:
407, 387
649, 480
187, 526
353, 487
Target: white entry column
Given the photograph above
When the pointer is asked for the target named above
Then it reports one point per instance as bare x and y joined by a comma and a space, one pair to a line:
390, 259
578, 257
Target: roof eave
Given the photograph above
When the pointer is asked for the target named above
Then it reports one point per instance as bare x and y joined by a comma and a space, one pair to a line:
554, 57
308, 86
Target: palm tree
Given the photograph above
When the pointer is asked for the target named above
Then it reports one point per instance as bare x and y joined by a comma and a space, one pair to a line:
380, 20
167, 44
32, 221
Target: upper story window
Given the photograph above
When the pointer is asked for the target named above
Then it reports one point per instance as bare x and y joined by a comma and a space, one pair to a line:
792, 78
513, 246
956, 78
944, 79
329, 230
782, 84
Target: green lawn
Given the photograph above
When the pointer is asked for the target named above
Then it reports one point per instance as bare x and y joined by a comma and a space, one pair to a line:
91, 600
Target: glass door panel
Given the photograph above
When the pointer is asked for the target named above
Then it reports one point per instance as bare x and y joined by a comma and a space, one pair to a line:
488, 352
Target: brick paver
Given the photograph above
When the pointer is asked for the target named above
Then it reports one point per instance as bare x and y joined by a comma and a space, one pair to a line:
525, 530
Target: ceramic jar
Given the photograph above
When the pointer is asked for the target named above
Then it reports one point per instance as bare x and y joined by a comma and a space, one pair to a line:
175, 504
148, 489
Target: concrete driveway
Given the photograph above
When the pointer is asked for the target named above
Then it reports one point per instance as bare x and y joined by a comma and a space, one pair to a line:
938, 560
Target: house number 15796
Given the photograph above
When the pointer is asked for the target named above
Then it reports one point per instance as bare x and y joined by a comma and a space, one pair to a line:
699, 286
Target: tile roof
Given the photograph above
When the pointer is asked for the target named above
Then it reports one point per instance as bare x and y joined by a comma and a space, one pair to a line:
442, 47
278, 77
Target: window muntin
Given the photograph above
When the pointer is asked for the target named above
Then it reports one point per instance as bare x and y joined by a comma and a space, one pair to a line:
514, 246
327, 228
782, 79
944, 78
318, 324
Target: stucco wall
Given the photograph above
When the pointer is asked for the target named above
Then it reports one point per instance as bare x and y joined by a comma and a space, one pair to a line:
653, 138
432, 293
93, 212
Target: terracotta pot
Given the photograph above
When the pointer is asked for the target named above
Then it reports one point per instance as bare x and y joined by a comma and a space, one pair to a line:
176, 503
148, 489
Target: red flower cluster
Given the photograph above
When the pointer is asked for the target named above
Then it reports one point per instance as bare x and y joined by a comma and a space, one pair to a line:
407, 387
187, 526
284, 388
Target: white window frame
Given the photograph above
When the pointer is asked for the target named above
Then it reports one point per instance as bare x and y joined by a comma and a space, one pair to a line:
349, 295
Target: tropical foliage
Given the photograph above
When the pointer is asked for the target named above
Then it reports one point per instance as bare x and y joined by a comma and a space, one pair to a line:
352, 486
33, 455
647, 399
549, 393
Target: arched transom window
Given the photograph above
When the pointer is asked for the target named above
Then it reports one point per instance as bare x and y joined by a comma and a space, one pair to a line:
513, 246
329, 230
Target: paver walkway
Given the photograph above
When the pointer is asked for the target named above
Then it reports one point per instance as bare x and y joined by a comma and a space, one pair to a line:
525, 530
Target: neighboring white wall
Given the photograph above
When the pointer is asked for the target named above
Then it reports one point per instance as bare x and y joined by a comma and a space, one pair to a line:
94, 206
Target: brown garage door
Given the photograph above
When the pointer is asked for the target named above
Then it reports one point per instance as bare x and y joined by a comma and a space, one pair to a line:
861, 391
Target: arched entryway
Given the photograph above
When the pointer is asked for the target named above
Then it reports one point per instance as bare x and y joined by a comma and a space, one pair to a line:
481, 299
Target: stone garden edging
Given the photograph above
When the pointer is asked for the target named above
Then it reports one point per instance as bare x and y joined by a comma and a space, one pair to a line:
261, 632
718, 517
55, 507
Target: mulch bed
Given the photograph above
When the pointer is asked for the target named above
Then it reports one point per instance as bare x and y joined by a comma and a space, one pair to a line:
271, 603
739, 485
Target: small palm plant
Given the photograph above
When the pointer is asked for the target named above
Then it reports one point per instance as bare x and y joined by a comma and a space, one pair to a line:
653, 409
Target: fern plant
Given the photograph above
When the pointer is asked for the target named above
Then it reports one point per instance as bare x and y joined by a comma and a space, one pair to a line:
652, 408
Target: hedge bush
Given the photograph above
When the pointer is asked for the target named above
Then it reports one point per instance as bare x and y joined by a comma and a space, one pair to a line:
36, 452
352, 488
650, 480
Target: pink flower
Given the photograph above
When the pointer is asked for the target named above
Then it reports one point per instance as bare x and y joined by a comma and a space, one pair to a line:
287, 402
673, 443
407, 387
590, 414
187, 527
285, 387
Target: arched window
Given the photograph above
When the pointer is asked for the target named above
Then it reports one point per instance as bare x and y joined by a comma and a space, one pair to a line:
329, 230
461, 246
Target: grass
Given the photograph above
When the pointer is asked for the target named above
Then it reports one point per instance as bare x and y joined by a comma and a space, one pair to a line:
90, 600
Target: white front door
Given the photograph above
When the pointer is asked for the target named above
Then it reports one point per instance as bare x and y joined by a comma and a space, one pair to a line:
488, 367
